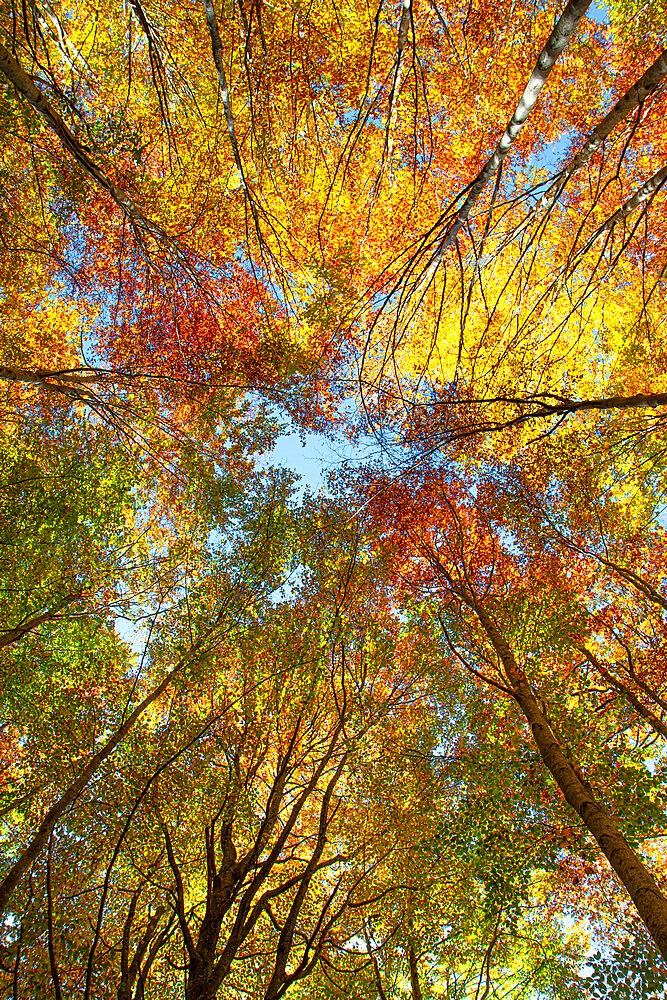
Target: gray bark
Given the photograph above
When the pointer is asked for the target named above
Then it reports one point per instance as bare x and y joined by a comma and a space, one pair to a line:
557, 42
25, 85
631, 100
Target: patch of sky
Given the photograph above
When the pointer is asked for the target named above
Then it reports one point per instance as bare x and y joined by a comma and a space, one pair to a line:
551, 157
133, 635
598, 12
658, 760
306, 455
508, 541
314, 457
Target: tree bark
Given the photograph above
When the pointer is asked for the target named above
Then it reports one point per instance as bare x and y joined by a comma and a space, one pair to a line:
640, 884
36, 844
376, 965
557, 42
25, 85
414, 973
641, 195
632, 99
400, 60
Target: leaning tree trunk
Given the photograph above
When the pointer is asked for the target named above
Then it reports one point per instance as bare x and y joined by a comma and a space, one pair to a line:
28, 854
642, 887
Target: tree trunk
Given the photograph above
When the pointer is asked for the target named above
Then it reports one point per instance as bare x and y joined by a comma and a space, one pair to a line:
25, 85
35, 846
632, 99
642, 887
557, 42
414, 973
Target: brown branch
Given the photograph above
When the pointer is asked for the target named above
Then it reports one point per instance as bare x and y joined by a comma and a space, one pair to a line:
654, 722
415, 985
20, 631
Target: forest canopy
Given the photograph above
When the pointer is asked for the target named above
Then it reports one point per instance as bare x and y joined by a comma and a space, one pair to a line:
402, 736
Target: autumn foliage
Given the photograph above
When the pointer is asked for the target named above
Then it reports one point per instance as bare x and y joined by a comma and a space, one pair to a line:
401, 736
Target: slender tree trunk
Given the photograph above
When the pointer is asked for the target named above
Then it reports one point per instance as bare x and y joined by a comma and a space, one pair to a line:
642, 887
557, 42
650, 400
38, 376
218, 59
25, 85
376, 964
643, 586
414, 973
36, 844
399, 74
641, 195
631, 100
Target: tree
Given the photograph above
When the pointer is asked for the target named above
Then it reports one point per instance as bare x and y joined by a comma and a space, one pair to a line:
481, 600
